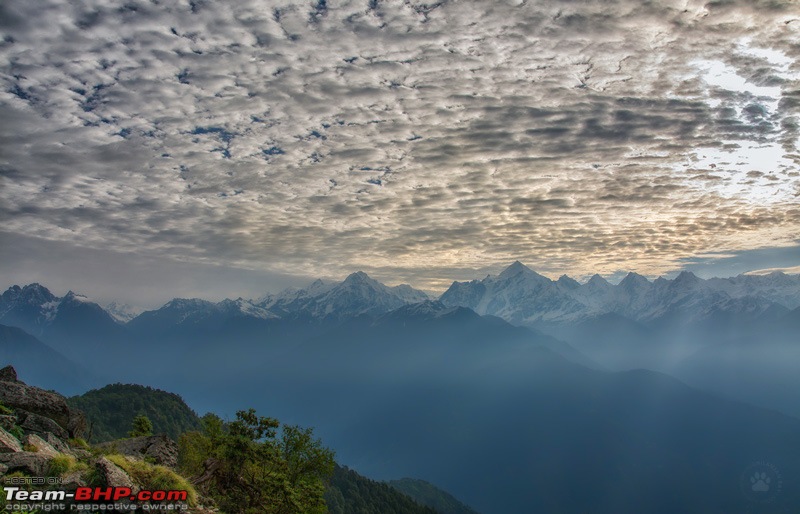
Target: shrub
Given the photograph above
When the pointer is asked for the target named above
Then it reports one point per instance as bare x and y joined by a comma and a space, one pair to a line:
154, 477
79, 443
61, 465
17, 432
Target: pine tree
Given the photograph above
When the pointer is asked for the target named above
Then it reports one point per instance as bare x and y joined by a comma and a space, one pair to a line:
142, 426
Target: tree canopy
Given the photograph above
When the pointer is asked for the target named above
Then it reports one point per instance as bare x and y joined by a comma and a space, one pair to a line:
255, 465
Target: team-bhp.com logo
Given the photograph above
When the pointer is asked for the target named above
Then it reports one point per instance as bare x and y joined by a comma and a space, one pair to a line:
94, 499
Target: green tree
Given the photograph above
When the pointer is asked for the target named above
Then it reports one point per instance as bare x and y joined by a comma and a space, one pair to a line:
142, 426
253, 465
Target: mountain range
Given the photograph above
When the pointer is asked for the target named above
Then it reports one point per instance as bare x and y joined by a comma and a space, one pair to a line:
524, 297
518, 295
516, 392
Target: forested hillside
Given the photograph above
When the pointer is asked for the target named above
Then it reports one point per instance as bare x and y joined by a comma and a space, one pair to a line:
428, 494
111, 410
351, 493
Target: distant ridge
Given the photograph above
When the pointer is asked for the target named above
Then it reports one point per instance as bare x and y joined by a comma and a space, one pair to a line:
518, 295
522, 296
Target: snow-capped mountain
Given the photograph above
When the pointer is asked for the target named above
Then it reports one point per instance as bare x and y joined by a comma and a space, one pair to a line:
292, 299
522, 296
519, 295
38, 311
197, 313
777, 287
31, 307
358, 294
122, 312
244, 308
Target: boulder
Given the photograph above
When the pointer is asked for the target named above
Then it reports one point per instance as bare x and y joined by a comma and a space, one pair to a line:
79, 453
57, 443
31, 422
159, 449
9, 443
8, 374
34, 464
7, 421
113, 475
77, 425
72, 481
20, 396
41, 445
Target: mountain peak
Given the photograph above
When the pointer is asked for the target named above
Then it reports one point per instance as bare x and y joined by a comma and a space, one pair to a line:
187, 303
632, 275
359, 277
597, 280
633, 279
515, 269
31, 294
122, 312
567, 282
686, 277
73, 296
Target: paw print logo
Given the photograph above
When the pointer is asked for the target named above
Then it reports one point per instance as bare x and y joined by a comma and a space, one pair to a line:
760, 482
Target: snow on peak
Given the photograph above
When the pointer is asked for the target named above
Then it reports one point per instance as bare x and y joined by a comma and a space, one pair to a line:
244, 307
409, 294
32, 294
74, 297
359, 277
122, 312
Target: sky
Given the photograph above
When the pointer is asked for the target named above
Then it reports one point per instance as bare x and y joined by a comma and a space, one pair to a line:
155, 148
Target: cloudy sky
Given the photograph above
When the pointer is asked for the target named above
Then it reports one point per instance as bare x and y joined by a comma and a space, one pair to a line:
155, 148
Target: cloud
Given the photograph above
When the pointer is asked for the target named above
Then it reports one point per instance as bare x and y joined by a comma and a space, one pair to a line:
793, 270
406, 139
759, 261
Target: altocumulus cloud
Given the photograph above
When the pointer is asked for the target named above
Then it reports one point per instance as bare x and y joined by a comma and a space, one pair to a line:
414, 140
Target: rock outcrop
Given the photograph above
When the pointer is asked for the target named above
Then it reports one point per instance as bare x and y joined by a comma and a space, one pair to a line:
35, 440
113, 475
34, 423
9, 443
8, 374
158, 449
42, 411
41, 446
31, 463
